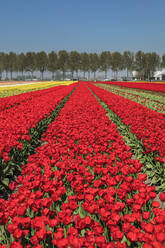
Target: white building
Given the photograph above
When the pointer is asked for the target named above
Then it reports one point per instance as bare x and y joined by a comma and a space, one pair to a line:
159, 75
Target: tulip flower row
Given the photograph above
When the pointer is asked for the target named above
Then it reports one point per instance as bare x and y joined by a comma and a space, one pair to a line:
82, 188
153, 95
152, 101
152, 166
28, 110
146, 124
153, 86
15, 88
11, 101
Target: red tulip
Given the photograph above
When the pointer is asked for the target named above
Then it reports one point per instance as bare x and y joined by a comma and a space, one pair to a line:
162, 197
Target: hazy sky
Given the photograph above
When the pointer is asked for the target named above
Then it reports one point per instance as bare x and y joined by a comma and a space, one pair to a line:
82, 25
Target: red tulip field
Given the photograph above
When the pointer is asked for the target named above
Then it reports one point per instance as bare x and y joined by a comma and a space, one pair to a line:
81, 166
153, 86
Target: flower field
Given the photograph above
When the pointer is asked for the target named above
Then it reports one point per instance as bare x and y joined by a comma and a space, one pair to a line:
78, 182
151, 99
15, 88
146, 124
153, 86
24, 112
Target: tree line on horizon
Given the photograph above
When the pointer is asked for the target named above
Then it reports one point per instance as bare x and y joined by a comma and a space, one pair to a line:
143, 63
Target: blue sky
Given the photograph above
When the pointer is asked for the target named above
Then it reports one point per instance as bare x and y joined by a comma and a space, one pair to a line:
82, 25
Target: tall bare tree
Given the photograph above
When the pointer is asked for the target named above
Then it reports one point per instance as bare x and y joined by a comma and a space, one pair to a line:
52, 63
163, 61
6, 64
41, 63
84, 62
128, 61
21, 66
74, 62
151, 63
105, 62
140, 63
116, 63
30, 62
12, 63
2, 55
63, 61
94, 63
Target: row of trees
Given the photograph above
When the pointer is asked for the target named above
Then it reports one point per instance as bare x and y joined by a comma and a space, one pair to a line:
74, 62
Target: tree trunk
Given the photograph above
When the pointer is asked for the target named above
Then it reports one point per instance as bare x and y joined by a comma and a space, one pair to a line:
127, 73
11, 75
52, 75
31, 75
6, 74
149, 74
88, 75
84, 74
17, 74
63, 76
94, 75
77, 74
105, 74
116, 75
22, 74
